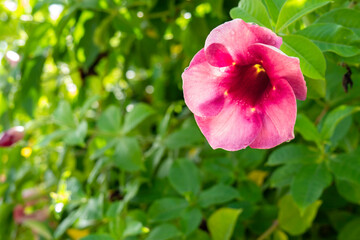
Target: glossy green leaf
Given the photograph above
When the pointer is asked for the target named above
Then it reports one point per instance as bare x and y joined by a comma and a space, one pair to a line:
251, 11
309, 183
283, 176
110, 120
293, 10
292, 153
274, 7
217, 194
306, 128
163, 232
221, 223
312, 61
334, 118
167, 208
128, 155
333, 38
138, 114
346, 17
184, 177
190, 220
294, 221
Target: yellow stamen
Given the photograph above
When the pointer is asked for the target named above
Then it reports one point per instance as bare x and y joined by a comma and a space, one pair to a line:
259, 68
234, 63
226, 93
274, 88
252, 109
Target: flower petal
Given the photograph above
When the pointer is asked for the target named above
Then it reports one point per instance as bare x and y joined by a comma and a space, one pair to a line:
280, 66
279, 115
234, 128
228, 42
202, 92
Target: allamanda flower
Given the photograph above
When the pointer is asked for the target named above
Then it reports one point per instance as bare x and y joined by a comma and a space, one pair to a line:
242, 89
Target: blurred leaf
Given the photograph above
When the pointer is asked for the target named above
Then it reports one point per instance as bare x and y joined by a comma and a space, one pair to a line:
346, 166
190, 220
346, 17
77, 137
97, 237
309, 183
87, 105
350, 231
217, 194
306, 128
186, 136
251, 11
292, 220
167, 208
163, 232
293, 10
63, 115
110, 120
198, 235
316, 88
140, 112
221, 223
333, 38
274, 7
292, 153
284, 175
312, 61
39, 228
184, 177
6, 211
333, 118
128, 155
348, 190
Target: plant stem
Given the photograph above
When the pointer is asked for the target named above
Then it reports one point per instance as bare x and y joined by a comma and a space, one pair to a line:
269, 231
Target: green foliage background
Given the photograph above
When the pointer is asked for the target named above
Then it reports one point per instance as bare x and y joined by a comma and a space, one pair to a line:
112, 152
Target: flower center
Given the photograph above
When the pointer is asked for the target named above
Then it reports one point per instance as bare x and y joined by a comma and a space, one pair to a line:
247, 84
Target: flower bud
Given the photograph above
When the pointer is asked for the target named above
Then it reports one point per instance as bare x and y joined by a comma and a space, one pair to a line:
11, 136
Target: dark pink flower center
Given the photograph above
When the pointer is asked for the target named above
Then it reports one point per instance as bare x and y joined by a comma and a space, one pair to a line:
248, 84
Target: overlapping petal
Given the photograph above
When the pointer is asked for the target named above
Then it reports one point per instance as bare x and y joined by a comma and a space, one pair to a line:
234, 128
202, 92
229, 42
278, 107
280, 66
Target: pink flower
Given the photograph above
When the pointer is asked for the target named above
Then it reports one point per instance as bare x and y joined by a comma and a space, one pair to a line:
242, 89
11, 136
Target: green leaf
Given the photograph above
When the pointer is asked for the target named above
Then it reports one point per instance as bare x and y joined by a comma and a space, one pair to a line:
293, 10
77, 136
110, 120
292, 153
163, 232
128, 155
305, 127
39, 228
294, 221
334, 118
184, 177
316, 88
332, 38
217, 194
140, 112
312, 61
221, 223
97, 237
63, 115
346, 17
190, 220
348, 189
351, 230
251, 11
284, 175
188, 135
87, 105
309, 183
274, 7
167, 209
6, 219
346, 167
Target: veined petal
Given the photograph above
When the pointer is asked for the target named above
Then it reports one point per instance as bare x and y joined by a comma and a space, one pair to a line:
202, 92
234, 128
229, 42
279, 66
279, 115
